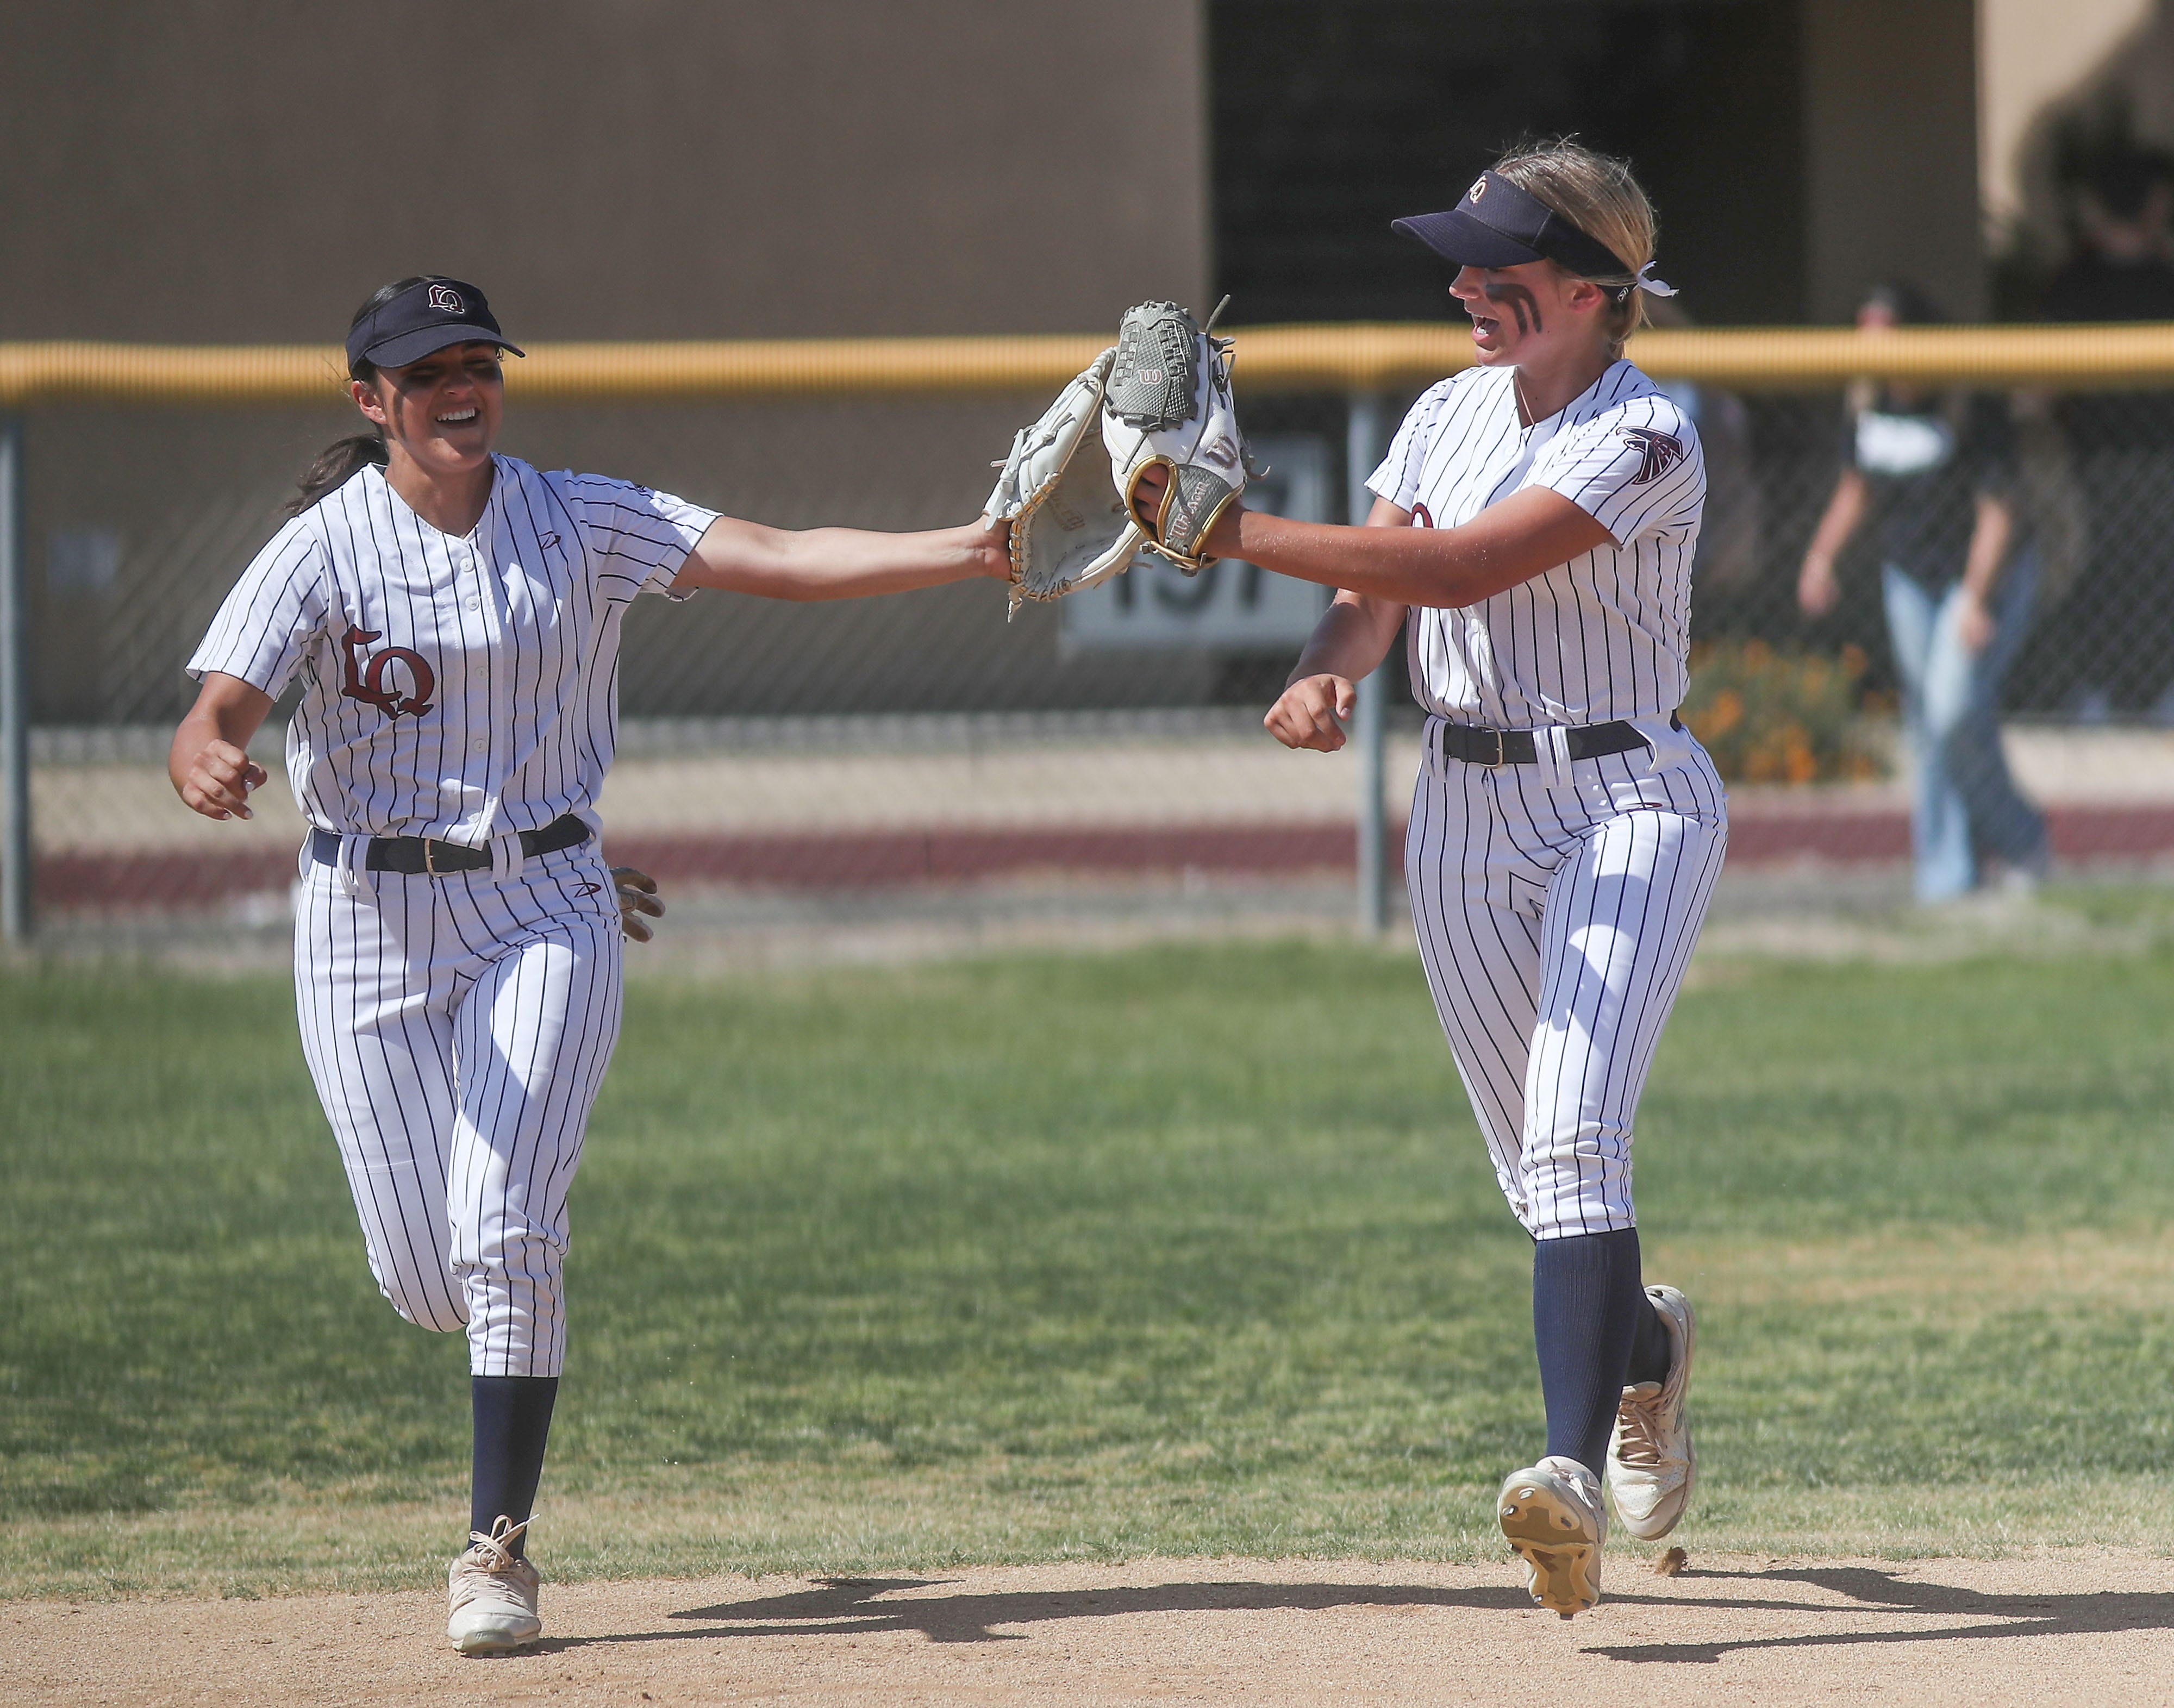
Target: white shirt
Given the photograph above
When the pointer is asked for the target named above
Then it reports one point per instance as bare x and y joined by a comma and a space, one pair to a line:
1605, 636
459, 689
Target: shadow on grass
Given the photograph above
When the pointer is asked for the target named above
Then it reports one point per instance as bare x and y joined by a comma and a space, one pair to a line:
857, 1606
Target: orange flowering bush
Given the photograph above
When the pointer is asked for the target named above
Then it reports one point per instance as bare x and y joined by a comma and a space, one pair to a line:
1770, 717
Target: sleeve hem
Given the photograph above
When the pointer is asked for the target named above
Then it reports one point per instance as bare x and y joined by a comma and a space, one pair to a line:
197, 670
660, 580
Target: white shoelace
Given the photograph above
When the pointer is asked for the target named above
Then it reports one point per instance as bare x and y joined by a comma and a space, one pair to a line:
497, 1548
1638, 1429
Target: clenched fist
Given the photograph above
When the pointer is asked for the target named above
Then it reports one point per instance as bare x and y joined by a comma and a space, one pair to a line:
1311, 713
217, 781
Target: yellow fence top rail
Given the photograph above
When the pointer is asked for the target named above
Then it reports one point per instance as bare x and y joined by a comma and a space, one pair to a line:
1361, 358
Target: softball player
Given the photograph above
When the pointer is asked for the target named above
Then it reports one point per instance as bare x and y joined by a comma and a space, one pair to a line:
1532, 533
454, 616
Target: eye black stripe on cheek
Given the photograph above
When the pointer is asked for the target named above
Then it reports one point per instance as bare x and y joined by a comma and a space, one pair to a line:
1522, 303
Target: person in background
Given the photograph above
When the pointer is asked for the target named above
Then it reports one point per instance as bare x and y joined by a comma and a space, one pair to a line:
2121, 269
1932, 474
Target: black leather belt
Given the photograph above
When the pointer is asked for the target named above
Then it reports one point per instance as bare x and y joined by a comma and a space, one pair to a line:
417, 856
1517, 747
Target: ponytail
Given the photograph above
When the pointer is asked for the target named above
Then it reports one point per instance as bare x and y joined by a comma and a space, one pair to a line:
337, 464
340, 462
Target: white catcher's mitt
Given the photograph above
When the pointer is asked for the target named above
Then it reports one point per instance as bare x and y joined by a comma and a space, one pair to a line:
1069, 527
1169, 403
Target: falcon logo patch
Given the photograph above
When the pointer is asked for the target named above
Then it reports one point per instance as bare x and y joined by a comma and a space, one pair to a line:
1663, 452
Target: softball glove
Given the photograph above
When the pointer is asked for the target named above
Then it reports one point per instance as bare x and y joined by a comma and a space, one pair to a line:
1169, 406
1069, 528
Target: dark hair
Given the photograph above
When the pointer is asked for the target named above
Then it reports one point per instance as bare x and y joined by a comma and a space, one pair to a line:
342, 460
2123, 182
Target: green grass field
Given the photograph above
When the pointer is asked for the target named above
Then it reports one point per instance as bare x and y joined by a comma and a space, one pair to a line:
1189, 1250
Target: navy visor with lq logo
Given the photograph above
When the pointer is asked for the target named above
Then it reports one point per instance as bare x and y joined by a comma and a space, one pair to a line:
428, 315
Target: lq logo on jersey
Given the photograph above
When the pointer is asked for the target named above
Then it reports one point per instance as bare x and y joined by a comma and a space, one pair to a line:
446, 298
367, 682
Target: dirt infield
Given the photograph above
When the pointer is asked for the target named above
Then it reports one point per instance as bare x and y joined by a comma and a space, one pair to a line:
2045, 1628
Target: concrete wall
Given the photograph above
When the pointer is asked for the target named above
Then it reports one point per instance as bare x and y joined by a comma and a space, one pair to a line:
1890, 151
212, 170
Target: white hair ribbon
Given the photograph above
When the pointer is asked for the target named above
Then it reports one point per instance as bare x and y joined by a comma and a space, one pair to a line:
1652, 286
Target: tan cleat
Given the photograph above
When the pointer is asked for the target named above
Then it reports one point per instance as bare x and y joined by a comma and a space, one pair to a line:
1551, 1513
491, 1594
1650, 1464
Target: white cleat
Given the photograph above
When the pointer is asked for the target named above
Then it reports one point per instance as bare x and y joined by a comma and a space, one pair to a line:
491, 1595
1650, 1464
1551, 1513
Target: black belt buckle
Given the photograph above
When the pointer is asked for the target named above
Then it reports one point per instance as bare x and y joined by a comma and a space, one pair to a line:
1462, 742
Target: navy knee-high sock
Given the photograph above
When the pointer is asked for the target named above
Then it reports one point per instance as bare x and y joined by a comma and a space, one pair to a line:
1589, 1307
512, 1422
1652, 1352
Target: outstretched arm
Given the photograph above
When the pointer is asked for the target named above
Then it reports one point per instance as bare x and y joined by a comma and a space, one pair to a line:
209, 763
840, 563
1525, 535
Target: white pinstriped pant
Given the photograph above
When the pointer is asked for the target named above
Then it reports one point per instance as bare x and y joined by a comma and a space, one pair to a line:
458, 1029
1556, 906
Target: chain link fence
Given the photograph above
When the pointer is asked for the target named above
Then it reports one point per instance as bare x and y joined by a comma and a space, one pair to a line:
900, 745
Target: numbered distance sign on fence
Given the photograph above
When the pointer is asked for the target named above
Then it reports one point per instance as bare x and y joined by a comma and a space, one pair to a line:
1229, 606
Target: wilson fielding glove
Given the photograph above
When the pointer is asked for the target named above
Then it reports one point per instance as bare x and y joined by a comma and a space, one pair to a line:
1168, 404
1069, 527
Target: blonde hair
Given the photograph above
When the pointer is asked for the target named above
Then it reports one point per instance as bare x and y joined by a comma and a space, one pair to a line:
1597, 194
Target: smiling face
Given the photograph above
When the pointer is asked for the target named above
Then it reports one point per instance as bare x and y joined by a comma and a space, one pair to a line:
1529, 313
443, 411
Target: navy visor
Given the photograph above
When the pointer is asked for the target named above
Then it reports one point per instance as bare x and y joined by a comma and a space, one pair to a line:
1497, 224
426, 317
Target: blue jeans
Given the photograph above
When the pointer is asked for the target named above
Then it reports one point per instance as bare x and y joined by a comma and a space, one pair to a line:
1966, 804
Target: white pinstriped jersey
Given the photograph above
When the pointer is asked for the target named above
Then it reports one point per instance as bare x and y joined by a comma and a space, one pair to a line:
459, 689
1605, 636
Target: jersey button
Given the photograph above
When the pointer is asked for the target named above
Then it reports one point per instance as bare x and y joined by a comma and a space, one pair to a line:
475, 604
